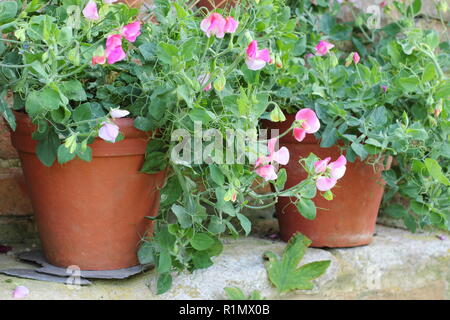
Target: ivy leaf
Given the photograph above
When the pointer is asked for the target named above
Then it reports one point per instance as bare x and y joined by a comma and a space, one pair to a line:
285, 274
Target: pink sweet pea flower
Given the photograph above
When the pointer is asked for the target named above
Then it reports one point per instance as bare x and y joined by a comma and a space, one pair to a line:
323, 47
132, 31
356, 57
113, 41
325, 184
20, 292
90, 12
385, 88
214, 25
108, 132
383, 4
117, 113
333, 172
115, 55
263, 165
231, 25
321, 165
256, 59
309, 123
203, 80
267, 172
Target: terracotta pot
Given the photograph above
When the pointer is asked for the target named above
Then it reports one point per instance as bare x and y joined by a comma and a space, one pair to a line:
214, 4
346, 221
91, 214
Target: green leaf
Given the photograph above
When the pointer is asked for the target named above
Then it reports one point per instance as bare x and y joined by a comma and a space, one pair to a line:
359, 150
47, 148
306, 208
216, 175
8, 10
82, 112
201, 241
396, 210
201, 260
64, 154
164, 283
284, 273
164, 261
435, 171
282, 178
416, 7
85, 155
184, 219
42, 101
201, 115
65, 36
146, 253
167, 52
429, 72
409, 84
73, 90
245, 223
235, 293
7, 114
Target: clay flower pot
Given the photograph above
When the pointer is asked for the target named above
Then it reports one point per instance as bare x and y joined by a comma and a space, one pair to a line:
346, 221
91, 214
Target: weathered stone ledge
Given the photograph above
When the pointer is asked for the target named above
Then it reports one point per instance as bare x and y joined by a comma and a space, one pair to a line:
397, 265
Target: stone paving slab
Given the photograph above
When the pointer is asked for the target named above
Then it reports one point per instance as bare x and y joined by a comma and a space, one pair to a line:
397, 265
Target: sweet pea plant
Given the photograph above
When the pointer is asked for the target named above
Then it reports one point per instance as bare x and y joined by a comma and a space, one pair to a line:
386, 94
75, 66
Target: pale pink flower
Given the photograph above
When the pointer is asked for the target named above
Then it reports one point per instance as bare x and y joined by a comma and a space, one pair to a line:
267, 172
263, 165
20, 292
332, 172
356, 57
231, 25
115, 55
113, 41
214, 25
321, 165
90, 12
132, 31
308, 123
325, 183
203, 80
108, 132
385, 88
338, 167
118, 113
323, 47
109, 1
383, 4
256, 59
98, 60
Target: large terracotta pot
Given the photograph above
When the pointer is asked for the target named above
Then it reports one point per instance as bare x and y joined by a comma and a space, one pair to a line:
91, 214
346, 221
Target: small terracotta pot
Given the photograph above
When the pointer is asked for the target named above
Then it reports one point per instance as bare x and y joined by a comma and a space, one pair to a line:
214, 4
91, 214
346, 221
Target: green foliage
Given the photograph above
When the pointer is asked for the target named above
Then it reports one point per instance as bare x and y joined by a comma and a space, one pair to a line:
284, 272
235, 293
